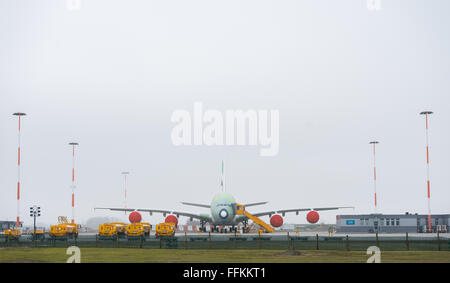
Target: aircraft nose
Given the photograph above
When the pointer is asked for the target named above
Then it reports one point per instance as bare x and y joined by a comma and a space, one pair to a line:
223, 213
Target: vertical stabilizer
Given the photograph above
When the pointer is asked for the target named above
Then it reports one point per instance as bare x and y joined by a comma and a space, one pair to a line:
222, 181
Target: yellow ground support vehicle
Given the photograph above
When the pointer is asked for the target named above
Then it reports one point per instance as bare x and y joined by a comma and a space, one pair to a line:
13, 234
107, 231
240, 210
165, 229
120, 227
135, 231
64, 230
39, 234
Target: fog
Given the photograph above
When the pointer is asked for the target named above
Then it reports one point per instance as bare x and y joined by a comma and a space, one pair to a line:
110, 74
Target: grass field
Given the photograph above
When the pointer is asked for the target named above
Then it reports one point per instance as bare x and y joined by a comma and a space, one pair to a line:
230, 256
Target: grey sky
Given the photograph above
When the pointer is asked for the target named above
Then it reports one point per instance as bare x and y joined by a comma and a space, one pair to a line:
110, 75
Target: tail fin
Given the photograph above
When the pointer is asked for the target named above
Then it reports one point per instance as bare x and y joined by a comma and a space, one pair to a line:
222, 181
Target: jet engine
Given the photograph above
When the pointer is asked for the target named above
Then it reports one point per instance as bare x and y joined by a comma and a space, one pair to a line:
135, 217
276, 220
312, 216
171, 219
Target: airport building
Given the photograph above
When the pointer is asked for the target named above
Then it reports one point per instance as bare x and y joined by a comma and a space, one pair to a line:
391, 223
4, 225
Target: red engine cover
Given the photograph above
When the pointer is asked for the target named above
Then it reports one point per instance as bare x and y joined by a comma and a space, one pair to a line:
312, 216
276, 220
171, 219
135, 217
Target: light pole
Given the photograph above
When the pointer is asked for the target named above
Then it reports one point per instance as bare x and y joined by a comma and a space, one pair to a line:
19, 115
427, 113
125, 186
73, 144
35, 211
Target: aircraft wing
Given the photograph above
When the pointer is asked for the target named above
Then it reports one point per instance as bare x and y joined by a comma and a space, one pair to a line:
203, 217
208, 206
255, 203
297, 210
196, 204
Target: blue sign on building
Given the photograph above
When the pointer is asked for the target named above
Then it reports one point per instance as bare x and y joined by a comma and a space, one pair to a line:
350, 222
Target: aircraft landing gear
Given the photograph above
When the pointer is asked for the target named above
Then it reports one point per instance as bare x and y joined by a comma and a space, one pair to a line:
222, 229
202, 226
245, 229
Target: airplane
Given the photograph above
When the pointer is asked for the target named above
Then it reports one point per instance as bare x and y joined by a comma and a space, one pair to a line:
223, 212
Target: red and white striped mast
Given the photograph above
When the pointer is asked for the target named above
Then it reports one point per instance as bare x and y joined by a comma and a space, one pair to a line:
374, 174
73, 144
426, 113
125, 184
19, 115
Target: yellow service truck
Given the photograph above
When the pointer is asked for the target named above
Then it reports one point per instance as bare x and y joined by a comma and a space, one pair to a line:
147, 228
64, 231
165, 229
107, 231
121, 228
135, 231
40, 234
13, 234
